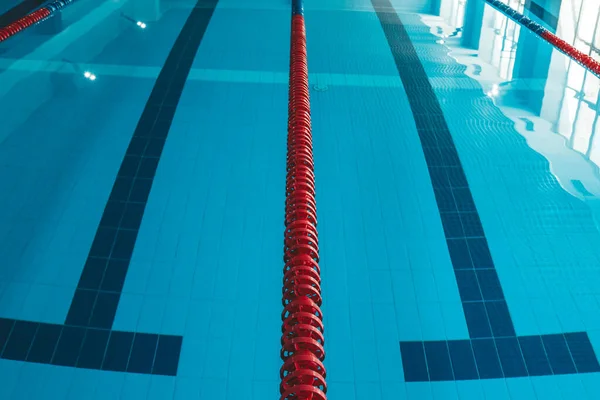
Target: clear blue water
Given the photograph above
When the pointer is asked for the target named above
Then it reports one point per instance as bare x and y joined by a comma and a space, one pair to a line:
151, 268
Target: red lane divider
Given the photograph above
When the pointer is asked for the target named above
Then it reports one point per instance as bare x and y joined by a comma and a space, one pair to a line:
302, 343
578, 56
33, 18
23, 23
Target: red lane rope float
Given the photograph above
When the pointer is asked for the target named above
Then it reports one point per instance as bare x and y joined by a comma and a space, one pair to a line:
302, 341
22, 23
32, 18
578, 56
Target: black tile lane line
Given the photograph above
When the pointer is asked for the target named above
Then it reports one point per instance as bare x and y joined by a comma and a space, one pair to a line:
493, 350
87, 340
19, 11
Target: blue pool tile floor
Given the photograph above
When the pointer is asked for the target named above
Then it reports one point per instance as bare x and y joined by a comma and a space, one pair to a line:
142, 223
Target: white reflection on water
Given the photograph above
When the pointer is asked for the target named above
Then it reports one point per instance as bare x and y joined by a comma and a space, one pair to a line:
565, 131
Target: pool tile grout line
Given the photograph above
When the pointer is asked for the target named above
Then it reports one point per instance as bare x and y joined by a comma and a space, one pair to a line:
87, 340
493, 349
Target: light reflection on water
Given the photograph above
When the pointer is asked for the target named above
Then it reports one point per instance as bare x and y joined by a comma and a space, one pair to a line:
556, 108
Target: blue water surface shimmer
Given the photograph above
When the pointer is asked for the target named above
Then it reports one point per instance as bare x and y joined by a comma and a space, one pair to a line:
142, 167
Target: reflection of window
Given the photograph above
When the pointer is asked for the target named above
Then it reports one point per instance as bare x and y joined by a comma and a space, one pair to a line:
453, 11
586, 30
583, 32
580, 107
594, 150
459, 15
579, 110
518, 5
504, 44
597, 36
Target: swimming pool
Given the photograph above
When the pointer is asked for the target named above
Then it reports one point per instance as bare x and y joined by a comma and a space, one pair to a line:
143, 153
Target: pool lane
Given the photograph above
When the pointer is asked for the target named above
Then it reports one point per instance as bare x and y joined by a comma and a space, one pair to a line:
87, 339
493, 350
362, 254
373, 202
207, 258
394, 276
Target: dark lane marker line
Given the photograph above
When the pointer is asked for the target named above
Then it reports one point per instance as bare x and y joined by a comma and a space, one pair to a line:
87, 340
493, 349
